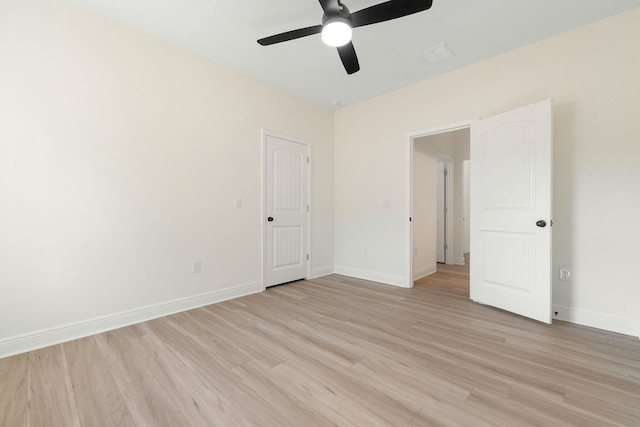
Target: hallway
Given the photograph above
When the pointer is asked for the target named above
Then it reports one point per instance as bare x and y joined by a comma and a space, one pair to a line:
453, 279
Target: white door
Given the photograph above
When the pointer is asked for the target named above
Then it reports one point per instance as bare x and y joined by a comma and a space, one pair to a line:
511, 211
285, 210
441, 216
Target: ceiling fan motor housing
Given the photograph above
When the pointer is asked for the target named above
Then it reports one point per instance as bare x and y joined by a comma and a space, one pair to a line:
342, 15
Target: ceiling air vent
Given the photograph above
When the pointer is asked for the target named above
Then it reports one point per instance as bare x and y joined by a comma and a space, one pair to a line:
437, 54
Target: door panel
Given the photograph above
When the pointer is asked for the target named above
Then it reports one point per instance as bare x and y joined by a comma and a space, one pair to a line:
286, 206
287, 174
507, 260
286, 244
506, 172
510, 191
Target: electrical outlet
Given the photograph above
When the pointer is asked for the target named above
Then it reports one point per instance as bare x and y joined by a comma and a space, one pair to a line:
196, 267
564, 274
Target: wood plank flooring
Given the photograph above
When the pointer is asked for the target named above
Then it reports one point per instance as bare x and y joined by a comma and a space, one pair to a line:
332, 351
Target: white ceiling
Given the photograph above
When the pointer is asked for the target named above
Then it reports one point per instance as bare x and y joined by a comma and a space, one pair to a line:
390, 52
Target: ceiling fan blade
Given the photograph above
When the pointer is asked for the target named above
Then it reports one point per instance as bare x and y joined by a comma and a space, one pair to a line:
388, 10
290, 35
349, 58
330, 6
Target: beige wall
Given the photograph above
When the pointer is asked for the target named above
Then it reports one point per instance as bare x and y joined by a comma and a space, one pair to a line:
592, 76
121, 158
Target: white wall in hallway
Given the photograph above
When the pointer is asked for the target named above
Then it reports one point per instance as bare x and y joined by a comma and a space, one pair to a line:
424, 212
455, 146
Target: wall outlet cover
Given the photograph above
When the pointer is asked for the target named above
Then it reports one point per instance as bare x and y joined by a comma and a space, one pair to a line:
196, 267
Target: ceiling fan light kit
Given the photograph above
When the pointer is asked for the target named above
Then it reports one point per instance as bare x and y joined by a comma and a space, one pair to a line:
338, 22
336, 31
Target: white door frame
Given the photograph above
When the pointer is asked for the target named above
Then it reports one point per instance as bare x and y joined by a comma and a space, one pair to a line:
466, 203
264, 134
409, 188
448, 202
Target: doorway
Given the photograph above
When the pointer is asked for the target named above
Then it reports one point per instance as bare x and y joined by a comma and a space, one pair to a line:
438, 233
510, 207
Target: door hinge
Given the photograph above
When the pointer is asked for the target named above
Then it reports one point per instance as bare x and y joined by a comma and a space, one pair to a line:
446, 172
308, 208
446, 246
307, 159
307, 257
409, 219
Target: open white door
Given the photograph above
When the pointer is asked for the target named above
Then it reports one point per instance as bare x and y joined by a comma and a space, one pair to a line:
285, 210
511, 211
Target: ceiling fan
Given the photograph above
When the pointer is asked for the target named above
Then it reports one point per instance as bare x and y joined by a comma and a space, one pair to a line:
337, 23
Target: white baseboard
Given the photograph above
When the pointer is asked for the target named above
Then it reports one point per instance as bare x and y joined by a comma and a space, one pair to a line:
56, 335
419, 273
597, 320
322, 271
374, 276
459, 261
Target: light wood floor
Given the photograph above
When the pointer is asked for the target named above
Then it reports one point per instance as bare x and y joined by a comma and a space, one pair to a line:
332, 351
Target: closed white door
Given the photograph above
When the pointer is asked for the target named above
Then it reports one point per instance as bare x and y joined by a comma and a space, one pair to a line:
286, 209
511, 211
